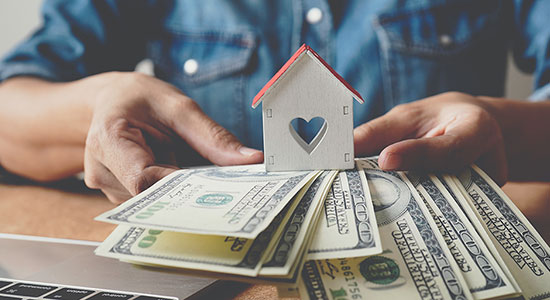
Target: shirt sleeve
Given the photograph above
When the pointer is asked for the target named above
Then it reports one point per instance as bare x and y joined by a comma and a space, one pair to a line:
532, 44
79, 38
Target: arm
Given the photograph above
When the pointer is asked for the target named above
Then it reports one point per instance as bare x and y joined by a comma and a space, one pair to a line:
43, 126
120, 128
526, 130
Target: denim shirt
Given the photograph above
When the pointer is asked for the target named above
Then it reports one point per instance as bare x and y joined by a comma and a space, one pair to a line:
221, 53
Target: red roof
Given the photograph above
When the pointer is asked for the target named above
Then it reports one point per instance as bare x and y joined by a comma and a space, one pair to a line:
304, 49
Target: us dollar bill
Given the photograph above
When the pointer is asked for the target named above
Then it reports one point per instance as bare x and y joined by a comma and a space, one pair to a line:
286, 255
451, 185
236, 201
207, 253
482, 272
415, 262
347, 227
523, 250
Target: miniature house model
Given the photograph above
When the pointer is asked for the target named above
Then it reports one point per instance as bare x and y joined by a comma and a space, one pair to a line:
307, 88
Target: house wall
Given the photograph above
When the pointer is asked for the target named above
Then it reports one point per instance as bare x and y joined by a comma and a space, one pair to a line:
307, 90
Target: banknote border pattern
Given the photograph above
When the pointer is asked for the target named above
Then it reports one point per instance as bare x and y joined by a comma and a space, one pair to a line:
510, 216
249, 227
300, 213
450, 214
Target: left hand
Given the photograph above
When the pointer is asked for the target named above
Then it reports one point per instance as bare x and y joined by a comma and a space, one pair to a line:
445, 132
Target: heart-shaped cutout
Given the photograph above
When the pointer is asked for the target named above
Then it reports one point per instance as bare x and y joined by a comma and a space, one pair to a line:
308, 134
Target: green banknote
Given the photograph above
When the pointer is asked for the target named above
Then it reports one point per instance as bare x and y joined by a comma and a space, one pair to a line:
278, 249
484, 275
347, 225
287, 254
523, 250
415, 262
236, 201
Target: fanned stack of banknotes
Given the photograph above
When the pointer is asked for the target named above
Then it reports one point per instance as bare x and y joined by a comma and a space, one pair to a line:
356, 234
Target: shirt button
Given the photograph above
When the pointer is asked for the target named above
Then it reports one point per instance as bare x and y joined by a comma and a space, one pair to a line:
314, 15
190, 66
445, 40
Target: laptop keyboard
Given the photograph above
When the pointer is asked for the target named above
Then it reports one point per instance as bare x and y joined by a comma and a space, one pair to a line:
19, 290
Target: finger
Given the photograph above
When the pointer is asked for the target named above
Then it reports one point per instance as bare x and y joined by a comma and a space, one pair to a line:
426, 154
96, 176
443, 153
398, 124
132, 161
123, 151
211, 140
458, 146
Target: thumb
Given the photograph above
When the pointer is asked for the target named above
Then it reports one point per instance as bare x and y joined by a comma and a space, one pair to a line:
212, 141
398, 124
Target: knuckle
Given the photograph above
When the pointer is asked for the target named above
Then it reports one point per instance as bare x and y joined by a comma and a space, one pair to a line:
407, 110
133, 78
222, 138
138, 183
365, 130
93, 180
115, 200
115, 197
179, 105
186, 104
400, 108
454, 95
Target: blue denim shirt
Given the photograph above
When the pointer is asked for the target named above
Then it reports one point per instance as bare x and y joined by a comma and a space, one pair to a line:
391, 51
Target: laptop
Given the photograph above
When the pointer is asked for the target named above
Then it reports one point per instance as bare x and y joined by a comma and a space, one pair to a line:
61, 269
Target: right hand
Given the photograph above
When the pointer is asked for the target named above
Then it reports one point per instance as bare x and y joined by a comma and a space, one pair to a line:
445, 132
137, 120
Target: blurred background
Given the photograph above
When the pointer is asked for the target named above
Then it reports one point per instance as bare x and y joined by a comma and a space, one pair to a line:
18, 19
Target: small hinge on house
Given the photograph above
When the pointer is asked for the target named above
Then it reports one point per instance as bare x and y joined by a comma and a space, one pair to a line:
346, 110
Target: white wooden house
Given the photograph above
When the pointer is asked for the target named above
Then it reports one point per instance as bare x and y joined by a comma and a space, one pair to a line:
307, 87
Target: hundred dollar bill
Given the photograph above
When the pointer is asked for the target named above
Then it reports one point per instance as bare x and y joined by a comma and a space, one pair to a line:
347, 227
415, 263
523, 250
210, 253
450, 184
292, 243
484, 275
236, 201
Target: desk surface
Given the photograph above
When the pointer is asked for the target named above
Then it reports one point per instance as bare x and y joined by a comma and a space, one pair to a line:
66, 210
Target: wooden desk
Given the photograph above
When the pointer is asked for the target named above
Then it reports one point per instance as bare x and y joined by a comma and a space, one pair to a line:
66, 210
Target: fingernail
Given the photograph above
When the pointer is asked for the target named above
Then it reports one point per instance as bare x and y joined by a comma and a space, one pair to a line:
248, 151
390, 161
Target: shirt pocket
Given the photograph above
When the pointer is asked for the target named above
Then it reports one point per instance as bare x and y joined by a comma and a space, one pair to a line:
213, 54
437, 46
210, 66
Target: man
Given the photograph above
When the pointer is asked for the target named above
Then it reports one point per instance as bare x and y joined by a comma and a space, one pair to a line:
65, 105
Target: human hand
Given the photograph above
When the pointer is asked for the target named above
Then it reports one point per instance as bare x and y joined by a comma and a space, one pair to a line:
445, 132
136, 122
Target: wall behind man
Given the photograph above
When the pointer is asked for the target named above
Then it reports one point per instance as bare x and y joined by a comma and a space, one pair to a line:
18, 18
